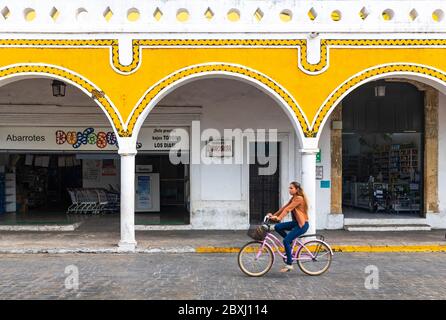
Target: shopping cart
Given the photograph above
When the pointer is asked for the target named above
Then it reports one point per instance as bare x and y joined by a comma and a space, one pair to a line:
74, 201
92, 201
113, 202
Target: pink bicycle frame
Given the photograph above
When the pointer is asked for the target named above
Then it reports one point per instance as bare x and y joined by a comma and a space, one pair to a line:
273, 243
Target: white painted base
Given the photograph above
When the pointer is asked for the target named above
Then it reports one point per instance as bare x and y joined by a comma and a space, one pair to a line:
436, 220
126, 246
222, 215
335, 221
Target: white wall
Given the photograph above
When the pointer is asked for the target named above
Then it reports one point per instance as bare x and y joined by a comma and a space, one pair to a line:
438, 220
323, 201
219, 192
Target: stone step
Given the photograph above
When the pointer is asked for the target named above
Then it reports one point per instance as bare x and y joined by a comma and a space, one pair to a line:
384, 221
388, 227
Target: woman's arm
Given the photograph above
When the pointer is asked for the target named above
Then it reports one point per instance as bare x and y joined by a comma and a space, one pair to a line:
278, 212
292, 204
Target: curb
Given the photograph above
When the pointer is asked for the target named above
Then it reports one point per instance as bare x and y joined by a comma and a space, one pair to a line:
42, 228
346, 248
384, 249
113, 250
204, 250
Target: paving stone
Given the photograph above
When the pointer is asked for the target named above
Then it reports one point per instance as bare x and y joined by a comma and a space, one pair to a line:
217, 276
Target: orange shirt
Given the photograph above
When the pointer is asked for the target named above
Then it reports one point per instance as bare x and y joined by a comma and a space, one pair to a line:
295, 204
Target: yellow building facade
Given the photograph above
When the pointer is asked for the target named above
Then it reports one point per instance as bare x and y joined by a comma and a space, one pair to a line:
128, 58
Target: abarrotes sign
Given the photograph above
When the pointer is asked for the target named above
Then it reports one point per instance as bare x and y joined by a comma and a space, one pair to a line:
88, 139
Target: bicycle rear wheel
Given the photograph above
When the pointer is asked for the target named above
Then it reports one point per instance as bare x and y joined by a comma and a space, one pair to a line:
255, 261
314, 258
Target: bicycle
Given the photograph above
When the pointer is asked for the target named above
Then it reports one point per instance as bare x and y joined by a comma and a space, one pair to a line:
304, 253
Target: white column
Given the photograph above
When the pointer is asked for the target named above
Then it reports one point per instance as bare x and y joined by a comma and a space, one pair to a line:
309, 183
127, 151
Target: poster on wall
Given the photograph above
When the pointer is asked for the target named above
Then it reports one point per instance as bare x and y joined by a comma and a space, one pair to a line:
91, 170
163, 139
143, 197
319, 172
109, 167
219, 148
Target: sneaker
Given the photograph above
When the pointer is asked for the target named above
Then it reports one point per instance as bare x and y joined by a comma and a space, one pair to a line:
287, 268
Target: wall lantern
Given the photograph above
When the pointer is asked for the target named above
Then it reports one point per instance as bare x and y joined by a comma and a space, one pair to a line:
380, 91
58, 88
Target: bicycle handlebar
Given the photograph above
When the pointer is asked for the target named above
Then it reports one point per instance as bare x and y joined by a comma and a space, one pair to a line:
266, 220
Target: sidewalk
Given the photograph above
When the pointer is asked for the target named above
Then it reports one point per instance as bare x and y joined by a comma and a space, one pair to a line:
96, 238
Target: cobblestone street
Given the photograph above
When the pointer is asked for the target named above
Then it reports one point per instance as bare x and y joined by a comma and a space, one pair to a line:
216, 276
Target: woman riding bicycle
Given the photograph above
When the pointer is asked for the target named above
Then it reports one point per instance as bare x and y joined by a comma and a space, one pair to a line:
299, 224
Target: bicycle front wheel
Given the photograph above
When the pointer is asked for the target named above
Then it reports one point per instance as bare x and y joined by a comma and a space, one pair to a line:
314, 258
254, 260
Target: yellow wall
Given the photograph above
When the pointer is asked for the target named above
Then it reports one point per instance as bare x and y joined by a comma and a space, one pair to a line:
97, 62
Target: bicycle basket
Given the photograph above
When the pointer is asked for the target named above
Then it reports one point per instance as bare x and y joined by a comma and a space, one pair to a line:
257, 233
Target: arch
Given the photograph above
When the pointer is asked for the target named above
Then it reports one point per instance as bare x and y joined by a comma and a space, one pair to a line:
423, 73
10, 74
216, 70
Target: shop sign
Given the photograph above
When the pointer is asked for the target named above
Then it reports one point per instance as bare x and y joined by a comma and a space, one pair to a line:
325, 184
144, 168
143, 194
163, 139
88, 139
220, 148
319, 172
318, 157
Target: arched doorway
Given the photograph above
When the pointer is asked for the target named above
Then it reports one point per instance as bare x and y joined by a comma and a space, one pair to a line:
220, 194
428, 95
383, 151
57, 151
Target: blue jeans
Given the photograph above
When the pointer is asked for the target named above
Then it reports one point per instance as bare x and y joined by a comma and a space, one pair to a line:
288, 238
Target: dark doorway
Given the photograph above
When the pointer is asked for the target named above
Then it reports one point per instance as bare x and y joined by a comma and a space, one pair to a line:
263, 188
383, 149
173, 191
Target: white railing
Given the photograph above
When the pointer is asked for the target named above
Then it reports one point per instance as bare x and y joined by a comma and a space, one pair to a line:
221, 16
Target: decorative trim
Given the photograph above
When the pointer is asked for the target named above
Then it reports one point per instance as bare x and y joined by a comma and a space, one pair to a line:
299, 44
336, 95
92, 43
326, 44
69, 76
214, 68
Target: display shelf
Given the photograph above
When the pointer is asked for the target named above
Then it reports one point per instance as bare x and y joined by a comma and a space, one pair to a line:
2, 193
10, 192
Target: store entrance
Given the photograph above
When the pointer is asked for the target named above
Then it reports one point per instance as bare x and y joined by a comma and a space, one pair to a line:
38, 187
162, 190
382, 150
